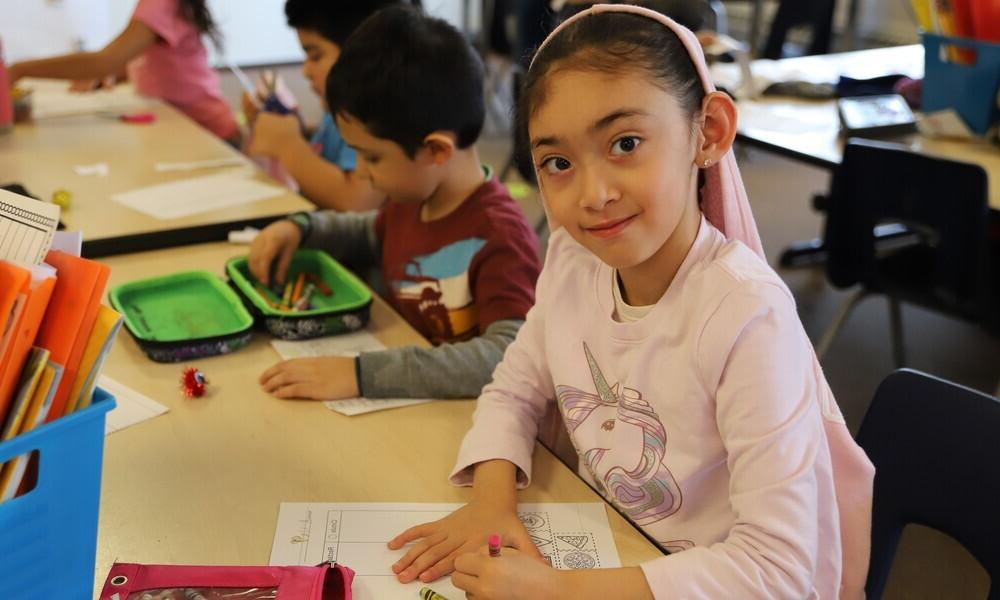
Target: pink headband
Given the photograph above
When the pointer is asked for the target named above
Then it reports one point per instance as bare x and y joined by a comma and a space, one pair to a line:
724, 199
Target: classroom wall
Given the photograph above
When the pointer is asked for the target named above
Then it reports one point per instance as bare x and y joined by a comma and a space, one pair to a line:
254, 30
35, 28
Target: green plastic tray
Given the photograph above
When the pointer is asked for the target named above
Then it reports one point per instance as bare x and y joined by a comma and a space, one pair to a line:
346, 309
183, 316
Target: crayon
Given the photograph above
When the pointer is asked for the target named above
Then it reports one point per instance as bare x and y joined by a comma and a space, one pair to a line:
427, 593
264, 293
303, 302
297, 290
323, 288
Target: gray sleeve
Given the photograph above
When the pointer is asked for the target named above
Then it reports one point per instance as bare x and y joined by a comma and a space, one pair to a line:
457, 370
349, 238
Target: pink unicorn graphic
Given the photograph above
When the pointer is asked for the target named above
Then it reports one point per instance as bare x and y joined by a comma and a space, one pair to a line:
627, 446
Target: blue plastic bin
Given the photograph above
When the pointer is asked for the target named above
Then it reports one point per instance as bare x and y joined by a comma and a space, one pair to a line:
969, 89
48, 537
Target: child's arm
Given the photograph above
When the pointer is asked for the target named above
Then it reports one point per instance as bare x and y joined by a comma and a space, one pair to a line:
322, 182
447, 371
458, 370
110, 60
347, 237
516, 576
754, 354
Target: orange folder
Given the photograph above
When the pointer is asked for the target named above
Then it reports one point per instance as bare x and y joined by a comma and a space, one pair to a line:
72, 310
15, 305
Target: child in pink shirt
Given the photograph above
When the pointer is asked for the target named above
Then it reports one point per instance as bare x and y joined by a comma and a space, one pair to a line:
672, 350
163, 53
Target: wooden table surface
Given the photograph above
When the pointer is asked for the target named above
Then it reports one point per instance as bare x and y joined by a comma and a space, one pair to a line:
202, 483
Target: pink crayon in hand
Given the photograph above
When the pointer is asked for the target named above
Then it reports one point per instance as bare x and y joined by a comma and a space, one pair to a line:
494, 543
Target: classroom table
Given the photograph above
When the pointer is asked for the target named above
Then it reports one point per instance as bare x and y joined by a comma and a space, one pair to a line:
42, 155
809, 130
202, 483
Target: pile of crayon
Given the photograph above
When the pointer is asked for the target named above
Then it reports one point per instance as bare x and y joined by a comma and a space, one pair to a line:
297, 293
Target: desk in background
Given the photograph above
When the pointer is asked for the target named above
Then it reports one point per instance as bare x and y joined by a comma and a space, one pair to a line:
41, 156
809, 130
202, 483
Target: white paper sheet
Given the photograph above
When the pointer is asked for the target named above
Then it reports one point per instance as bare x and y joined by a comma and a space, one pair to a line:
52, 98
100, 169
194, 165
131, 407
26, 228
70, 242
358, 406
570, 536
196, 195
350, 344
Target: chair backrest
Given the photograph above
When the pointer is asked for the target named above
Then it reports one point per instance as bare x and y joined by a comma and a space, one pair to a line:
936, 450
944, 201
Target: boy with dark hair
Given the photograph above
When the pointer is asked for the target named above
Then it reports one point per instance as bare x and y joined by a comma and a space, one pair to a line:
456, 256
323, 166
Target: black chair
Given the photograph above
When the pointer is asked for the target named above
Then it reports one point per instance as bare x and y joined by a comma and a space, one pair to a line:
817, 14
936, 450
940, 256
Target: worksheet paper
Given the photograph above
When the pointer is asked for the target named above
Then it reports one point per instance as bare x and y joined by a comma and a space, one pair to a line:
26, 228
131, 407
348, 344
569, 536
197, 195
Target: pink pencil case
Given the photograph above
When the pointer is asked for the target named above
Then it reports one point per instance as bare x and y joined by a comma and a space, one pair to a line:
127, 581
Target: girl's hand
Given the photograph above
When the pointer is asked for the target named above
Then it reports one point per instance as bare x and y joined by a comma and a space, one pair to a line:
512, 575
463, 531
328, 378
91, 85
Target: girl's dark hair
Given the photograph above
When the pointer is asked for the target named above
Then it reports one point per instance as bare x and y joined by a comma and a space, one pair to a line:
613, 43
196, 12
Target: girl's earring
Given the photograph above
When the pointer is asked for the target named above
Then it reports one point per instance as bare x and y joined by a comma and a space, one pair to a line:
707, 162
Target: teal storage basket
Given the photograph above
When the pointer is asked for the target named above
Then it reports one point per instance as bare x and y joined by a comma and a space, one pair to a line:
48, 537
969, 89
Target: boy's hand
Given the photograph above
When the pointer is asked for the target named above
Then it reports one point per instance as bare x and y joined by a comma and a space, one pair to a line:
462, 531
278, 241
272, 133
327, 378
250, 108
513, 575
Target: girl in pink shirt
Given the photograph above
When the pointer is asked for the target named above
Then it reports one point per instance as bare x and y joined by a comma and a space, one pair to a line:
162, 51
672, 350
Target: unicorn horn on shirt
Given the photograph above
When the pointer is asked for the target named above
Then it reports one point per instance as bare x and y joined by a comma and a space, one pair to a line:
647, 492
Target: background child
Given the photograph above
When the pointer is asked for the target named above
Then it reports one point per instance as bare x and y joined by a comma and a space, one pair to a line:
165, 58
673, 351
323, 166
455, 255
